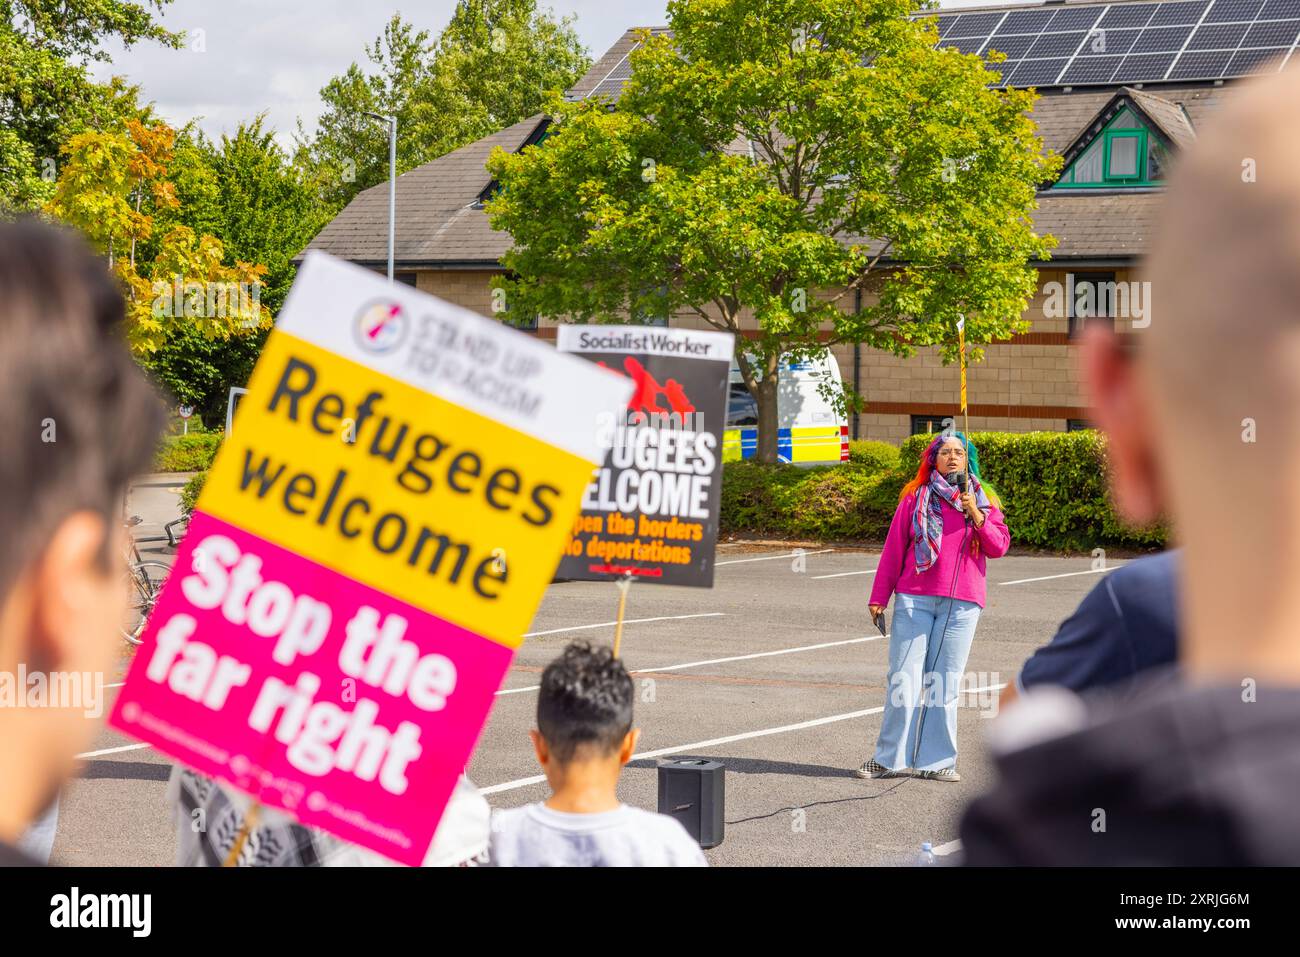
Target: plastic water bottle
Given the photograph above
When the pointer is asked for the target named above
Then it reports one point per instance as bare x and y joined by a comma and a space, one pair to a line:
927, 856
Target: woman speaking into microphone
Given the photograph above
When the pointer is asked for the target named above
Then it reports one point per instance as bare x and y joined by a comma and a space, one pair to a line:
947, 524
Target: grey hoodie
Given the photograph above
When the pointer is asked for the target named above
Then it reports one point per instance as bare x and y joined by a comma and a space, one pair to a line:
1172, 774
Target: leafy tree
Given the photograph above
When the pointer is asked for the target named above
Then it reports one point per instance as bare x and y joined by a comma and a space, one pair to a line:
771, 158
21, 185
46, 93
349, 152
102, 191
199, 370
245, 190
491, 67
189, 284
94, 188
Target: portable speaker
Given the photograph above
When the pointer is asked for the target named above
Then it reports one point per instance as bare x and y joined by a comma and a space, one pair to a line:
692, 791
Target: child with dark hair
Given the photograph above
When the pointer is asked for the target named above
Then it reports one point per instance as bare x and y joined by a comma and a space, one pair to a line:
584, 736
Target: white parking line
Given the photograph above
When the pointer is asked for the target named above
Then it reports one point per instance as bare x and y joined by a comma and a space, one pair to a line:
768, 558
760, 654
125, 747
943, 850
718, 742
1090, 571
720, 661
626, 621
869, 571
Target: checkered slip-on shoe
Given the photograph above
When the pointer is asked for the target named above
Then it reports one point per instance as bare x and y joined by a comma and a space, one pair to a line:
871, 769
943, 774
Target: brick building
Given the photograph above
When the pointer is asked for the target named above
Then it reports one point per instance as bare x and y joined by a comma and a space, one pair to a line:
1118, 109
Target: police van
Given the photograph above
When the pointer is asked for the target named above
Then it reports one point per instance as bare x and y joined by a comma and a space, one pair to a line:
809, 429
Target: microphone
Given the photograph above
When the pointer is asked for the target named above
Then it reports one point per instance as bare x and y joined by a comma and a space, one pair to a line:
959, 479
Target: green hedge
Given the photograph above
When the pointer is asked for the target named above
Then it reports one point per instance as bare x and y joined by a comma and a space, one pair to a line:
187, 453
190, 493
876, 456
836, 502
1052, 485
1053, 488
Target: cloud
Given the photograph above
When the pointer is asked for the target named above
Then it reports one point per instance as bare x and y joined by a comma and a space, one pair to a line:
243, 57
275, 55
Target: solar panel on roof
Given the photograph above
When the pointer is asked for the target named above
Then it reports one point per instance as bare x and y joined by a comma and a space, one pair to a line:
1280, 10
1200, 64
1219, 36
974, 24
1143, 67
1122, 16
1078, 18
1092, 69
1172, 14
1110, 41
944, 24
1234, 10
964, 44
1161, 40
1129, 43
1027, 21
1250, 61
1055, 44
1276, 34
1036, 72
1013, 47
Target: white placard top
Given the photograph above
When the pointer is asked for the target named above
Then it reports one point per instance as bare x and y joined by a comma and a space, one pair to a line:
453, 353
648, 340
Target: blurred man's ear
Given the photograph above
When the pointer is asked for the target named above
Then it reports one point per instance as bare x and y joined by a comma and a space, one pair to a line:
628, 747
72, 590
1121, 409
539, 747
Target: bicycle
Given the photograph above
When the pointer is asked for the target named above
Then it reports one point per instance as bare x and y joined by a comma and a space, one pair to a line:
144, 581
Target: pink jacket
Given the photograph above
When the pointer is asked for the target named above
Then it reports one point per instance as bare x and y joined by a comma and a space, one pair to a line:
897, 568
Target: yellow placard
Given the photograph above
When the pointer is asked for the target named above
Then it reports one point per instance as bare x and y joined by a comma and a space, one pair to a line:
407, 492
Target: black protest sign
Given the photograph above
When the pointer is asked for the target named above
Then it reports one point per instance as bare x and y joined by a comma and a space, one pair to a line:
651, 511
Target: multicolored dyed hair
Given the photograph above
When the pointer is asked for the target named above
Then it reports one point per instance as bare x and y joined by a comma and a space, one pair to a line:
930, 457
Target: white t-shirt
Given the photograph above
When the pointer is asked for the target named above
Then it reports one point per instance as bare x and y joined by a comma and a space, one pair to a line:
537, 836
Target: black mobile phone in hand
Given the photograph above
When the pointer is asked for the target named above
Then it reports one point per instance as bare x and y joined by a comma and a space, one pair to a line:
879, 622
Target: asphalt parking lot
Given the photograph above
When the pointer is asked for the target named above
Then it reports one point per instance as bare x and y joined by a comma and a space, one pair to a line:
776, 672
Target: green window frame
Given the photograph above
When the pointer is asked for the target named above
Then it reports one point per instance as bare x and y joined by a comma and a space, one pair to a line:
1124, 126
1139, 158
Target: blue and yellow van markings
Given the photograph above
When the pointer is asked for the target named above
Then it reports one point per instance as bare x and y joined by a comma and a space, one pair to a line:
811, 443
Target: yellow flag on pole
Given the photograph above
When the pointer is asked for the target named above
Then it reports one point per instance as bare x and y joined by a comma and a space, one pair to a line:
961, 342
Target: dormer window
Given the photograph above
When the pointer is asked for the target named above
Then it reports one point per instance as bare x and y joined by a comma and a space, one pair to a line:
1123, 153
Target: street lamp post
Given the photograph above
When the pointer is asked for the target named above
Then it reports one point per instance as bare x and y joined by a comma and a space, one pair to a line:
392, 184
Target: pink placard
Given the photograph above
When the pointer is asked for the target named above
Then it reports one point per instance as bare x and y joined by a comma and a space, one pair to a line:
351, 710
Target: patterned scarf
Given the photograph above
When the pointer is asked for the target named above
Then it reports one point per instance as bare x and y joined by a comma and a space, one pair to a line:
927, 520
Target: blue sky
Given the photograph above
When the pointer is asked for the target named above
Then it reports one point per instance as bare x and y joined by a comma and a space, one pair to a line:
275, 55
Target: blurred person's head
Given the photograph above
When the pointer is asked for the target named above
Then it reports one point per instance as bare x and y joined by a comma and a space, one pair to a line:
584, 716
1203, 407
78, 421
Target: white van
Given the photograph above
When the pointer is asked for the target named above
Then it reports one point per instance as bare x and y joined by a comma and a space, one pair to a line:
809, 430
